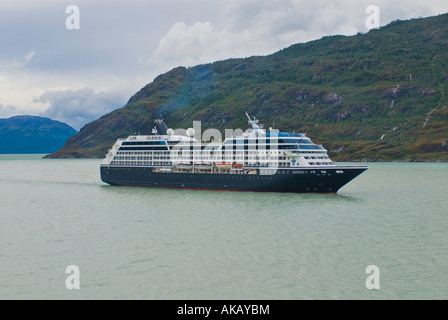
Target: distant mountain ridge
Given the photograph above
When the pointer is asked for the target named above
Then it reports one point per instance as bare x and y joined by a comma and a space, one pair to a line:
375, 96
33, 135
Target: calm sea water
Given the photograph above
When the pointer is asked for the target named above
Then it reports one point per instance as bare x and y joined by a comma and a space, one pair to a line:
137, 243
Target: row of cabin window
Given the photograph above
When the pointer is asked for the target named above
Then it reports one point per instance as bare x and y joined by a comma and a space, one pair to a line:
141, 163
158, 163
321, 163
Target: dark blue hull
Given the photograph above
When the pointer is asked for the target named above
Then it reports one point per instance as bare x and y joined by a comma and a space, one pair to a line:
322, 180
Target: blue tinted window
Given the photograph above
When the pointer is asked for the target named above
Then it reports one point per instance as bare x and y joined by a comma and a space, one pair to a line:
311, 147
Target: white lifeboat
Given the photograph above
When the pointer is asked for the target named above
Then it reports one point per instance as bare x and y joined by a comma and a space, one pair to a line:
223, 165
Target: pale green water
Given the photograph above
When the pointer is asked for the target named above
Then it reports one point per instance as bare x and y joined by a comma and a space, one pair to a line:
136, 243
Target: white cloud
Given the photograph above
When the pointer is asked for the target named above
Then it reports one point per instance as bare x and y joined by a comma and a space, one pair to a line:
198, 43
15, 65
79, 107
22, 61
7, 111
248, 28
260, 27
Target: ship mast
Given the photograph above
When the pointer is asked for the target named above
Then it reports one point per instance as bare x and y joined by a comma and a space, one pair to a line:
254, 123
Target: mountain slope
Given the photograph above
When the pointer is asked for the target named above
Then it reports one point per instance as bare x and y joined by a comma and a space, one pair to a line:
375, 96
29, 134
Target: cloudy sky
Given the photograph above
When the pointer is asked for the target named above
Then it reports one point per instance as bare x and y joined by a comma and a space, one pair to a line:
77, 75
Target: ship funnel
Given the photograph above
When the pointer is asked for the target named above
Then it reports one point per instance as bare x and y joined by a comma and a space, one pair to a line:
162, 128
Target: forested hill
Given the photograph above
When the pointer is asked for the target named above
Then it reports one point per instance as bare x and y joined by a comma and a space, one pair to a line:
30, 134
375, 96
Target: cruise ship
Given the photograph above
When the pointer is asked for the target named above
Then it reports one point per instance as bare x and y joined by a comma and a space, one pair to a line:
255, 160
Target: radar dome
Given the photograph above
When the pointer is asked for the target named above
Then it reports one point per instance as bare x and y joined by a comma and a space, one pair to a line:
190, 132
170, 132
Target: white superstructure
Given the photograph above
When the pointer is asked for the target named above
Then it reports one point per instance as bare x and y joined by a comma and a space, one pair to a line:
256, 148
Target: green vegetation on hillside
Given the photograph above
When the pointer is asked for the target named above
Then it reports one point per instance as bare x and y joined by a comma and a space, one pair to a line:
375, 96
30, 134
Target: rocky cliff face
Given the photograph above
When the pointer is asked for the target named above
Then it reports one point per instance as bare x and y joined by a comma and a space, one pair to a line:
375, 96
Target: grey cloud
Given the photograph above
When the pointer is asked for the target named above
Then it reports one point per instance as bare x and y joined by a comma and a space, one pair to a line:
113, 34
117, 38
7, 111
79, 107
259, 27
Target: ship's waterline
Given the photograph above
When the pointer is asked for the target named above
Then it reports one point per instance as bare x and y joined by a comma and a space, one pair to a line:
255, 160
